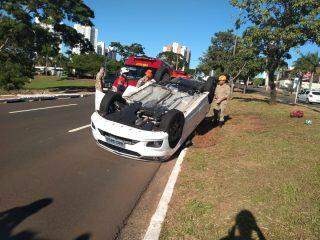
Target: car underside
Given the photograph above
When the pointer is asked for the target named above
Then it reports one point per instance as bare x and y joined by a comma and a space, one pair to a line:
155, 107
146, 108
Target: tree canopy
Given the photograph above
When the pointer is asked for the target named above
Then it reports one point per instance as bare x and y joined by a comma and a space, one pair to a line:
277, 26
87, 64
126, 51
308, 63
21, 37
232, 55
174, 59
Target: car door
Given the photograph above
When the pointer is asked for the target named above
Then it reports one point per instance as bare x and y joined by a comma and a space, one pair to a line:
195, 114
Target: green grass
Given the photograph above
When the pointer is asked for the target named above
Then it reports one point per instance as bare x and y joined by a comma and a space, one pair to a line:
264, 162
49, 82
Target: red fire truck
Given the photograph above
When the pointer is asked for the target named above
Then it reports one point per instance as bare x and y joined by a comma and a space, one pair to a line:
137, 66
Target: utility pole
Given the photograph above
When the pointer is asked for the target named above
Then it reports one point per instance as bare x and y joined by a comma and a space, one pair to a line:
234, 54
298, 88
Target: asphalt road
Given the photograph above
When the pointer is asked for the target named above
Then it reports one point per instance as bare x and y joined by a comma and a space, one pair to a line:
60, 185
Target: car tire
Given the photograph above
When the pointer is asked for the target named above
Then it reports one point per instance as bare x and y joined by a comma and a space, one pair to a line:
210, 86
110, 103
162, 75
172, 123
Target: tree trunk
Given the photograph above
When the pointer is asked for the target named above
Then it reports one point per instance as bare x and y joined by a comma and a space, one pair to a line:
277, 80
272, 86
311, 81
231, 86
298, 90
46, 68
245, 86
266, 84
2, 46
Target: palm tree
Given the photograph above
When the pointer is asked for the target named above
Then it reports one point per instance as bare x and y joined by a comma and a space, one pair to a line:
308, 63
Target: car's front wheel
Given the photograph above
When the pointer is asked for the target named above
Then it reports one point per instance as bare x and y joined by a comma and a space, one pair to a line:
172, 123
111, 102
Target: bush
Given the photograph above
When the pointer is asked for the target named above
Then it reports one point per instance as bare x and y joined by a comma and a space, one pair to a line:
11, 76
259, 82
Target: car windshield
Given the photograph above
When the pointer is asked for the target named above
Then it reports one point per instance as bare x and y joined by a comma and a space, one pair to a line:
316, 93
137, 72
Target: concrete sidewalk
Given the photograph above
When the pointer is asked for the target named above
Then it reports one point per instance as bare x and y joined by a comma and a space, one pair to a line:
39, 97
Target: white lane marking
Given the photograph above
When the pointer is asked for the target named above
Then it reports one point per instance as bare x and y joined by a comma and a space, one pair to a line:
43, 108
79, 128
154, 229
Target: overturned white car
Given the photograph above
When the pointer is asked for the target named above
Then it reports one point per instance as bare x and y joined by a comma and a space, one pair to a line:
153, 121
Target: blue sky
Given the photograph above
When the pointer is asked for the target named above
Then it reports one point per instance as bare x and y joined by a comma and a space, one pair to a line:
158, 23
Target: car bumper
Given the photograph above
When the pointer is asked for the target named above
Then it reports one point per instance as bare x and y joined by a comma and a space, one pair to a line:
314, 100
129, 141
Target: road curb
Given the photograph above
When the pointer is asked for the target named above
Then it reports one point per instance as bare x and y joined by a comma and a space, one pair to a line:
154, 229
42, 97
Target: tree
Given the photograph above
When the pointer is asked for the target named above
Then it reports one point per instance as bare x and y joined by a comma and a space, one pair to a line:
308, 63
112, 66
12, 75
277, 26
232, 55
21, 37
126, 51
46, 55
174, 59
87, 64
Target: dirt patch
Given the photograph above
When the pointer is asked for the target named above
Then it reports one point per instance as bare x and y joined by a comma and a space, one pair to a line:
236, 125
245, 123
209, 139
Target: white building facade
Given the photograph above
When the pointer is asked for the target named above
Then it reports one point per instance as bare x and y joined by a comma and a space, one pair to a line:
179, 49
90, 33
101, 48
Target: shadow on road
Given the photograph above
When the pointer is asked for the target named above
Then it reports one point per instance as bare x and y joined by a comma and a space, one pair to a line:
13, 217
244, 228
85, 236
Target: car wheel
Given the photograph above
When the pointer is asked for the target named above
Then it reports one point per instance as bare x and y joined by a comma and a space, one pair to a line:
172, 123
210, 86
111, 102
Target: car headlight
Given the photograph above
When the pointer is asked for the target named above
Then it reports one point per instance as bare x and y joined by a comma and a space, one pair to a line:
310, 95
155, 144
93, 126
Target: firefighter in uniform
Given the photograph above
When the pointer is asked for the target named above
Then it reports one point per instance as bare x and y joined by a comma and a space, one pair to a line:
221, 97
148, 76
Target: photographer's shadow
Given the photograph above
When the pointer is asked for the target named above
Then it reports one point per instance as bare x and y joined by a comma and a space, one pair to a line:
244, 228
11, 218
